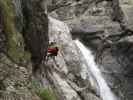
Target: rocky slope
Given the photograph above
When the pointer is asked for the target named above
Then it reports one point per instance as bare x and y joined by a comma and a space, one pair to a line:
26, 27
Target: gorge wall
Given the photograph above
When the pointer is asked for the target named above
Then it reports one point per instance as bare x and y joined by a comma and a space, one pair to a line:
17, 32
26, 28
105, 26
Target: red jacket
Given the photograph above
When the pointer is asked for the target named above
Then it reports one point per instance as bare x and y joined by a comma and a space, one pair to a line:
53, 50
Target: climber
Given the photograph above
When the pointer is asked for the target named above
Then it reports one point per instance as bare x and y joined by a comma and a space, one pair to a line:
52, 50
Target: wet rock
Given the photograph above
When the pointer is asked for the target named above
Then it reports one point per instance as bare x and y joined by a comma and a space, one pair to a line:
117, 68
68, 64
61, 36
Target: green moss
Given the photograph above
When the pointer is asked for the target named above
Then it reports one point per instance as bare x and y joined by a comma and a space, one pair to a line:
47, 94
15, 42
44, 94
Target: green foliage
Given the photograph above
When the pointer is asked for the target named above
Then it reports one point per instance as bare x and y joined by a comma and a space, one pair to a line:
15, 42
44, 94
47, 94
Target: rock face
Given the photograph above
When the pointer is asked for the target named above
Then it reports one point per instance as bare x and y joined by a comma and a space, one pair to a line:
117, 68
14, 81
26, 28
35, 30
105, 26
127, 7
15, 61
67, 68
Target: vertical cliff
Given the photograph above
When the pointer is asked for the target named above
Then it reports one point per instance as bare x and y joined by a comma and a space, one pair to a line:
16, 28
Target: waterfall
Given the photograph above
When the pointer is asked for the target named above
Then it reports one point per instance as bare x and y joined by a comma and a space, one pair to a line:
105, 91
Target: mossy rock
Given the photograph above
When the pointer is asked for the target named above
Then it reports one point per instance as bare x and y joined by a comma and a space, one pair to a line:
15, 41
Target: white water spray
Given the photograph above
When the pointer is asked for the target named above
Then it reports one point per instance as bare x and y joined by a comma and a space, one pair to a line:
105, 92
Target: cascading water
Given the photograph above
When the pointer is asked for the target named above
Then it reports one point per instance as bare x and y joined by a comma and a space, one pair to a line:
105, 92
